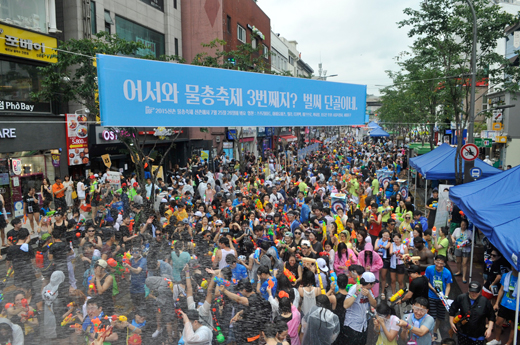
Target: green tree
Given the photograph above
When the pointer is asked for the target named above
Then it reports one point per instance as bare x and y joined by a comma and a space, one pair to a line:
442, 32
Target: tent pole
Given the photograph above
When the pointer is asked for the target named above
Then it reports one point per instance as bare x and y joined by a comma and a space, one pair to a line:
516, 314
425, 193
415, 193
472, 249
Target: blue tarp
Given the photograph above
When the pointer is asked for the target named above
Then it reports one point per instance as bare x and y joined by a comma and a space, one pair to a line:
379, 132
373, 125
431, 156
441, 165
493, 205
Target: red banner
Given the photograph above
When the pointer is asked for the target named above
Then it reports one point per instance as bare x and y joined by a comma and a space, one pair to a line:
77, 139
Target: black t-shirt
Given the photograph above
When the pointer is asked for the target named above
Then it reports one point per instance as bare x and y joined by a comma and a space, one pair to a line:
31, 201
59, 251
455, 215
22, 265
419, 288
499, 267
317, 247
12, 235
431, 215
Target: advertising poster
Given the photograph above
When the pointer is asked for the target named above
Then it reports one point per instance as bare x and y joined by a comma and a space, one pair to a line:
339, 200
114, 178
77, 139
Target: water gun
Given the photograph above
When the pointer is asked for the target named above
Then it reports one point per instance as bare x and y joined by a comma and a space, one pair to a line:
338, 222
488, 263
319, 277
258, 205
76, 326
407, 257
116, 266
270, 283
398, 295
113, 318
334, 279
434, 231
256, 255
8, 305
221, 281
463, 244
358, 282
204, 284
289, 275
92, 285
456, 320
50, 213
126, 260
324, 229
68, 319
407, 242
442, 298
214, 254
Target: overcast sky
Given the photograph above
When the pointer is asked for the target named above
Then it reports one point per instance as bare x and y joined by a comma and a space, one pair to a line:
357, 39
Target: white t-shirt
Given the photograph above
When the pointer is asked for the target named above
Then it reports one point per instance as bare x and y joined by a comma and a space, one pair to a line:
461, 237
391, 325
80, 191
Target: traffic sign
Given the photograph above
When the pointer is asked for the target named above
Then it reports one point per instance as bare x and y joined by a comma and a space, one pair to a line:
469, 152
502, 139
497, 126
476, 173
483, 142
497, 117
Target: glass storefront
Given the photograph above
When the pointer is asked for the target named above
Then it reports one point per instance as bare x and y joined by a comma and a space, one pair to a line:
18, 80
153, 40
27, 14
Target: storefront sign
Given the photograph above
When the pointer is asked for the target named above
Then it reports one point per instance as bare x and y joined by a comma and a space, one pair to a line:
27, 44
137, 92
158, 4
7, 133
77, 139
19, 106
17, 166
227, 145
55, 159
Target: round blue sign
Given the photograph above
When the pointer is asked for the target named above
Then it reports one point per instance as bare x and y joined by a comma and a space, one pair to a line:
476, 172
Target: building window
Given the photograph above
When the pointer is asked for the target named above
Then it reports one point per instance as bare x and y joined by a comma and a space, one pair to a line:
266, 52
175, 4
26, 14
228, 24
241, 34
253, 43
153, 40
291, 61
176, 47
108, 22
93, 22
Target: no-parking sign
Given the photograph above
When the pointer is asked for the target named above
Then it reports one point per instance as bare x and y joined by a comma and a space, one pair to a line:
469, 152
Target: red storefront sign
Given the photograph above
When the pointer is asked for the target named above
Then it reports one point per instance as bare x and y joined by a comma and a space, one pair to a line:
77, 139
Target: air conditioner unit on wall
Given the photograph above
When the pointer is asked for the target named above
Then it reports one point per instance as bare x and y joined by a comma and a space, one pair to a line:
217, 138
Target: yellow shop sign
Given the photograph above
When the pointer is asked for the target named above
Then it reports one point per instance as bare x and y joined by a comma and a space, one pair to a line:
27, 44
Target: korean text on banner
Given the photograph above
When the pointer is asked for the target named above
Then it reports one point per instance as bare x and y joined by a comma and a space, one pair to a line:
114, 178
77, 139
136, 92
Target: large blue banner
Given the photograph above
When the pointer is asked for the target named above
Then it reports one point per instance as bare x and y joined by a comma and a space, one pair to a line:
141, 93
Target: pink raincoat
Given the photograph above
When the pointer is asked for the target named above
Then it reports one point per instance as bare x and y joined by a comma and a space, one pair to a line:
375, 266
341, 260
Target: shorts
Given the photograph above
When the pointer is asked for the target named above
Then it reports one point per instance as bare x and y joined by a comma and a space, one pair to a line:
355, 337
506, 314
459, 253
399, 269
437, 309
386, 263
94, 203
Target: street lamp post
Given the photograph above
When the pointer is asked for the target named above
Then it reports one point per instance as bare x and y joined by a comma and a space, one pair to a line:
469, 165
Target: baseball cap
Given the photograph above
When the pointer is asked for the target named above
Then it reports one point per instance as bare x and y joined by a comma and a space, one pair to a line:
170, 188
164, 200
306, 243
289, 234
123, 184
96, 175
218, 221
322, 264
414, 269
102, 263
368, 278
185, 221
198, 214
475, 286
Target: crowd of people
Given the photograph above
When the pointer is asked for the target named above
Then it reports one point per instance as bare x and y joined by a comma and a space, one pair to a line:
257, 252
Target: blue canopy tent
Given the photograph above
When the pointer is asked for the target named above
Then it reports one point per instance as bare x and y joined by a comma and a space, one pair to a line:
431, 156
373, 125
379, 132
493, 205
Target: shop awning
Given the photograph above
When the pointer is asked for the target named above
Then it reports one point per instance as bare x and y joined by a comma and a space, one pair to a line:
245, 140
289, 138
